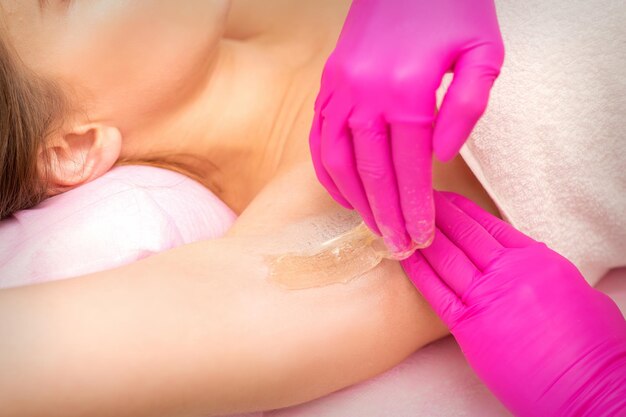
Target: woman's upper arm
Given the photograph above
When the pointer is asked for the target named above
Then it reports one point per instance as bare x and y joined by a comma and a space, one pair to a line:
201, 329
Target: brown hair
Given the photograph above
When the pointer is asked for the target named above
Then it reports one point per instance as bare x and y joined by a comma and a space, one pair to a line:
30, 109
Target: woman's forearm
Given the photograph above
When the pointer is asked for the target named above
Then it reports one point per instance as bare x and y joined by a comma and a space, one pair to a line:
198, 330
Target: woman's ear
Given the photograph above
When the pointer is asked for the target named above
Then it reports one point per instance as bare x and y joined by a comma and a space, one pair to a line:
80, 155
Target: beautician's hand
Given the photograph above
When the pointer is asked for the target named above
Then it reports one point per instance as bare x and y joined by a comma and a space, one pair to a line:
375, 127
543, 340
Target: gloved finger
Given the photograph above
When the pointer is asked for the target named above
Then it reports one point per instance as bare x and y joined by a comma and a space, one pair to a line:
411, 145
450, 263
503, 232
372, 150
465, 101
315, 146
467, 234
338, 159
443, 300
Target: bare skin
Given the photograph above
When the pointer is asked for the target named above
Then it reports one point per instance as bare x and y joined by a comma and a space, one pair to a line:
200, 330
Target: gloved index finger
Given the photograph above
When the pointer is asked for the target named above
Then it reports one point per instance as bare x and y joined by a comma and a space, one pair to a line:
443, 299
375, 166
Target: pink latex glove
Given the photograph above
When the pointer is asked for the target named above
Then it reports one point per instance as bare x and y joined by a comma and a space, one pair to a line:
375, 128
544, 341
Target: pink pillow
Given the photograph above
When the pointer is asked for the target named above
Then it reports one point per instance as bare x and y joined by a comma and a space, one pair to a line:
129, 213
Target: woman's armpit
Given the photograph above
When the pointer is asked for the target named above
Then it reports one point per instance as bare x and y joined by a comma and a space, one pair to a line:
307, 239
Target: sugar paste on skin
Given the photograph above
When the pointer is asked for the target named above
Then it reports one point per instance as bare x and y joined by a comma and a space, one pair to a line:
351, 253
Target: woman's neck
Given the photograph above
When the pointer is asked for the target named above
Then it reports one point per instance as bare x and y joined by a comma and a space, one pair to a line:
251, 114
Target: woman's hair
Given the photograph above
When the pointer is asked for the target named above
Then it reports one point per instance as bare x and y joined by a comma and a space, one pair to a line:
30, 109
185, 164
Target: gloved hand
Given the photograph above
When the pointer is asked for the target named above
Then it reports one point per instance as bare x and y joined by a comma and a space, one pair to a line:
375, 128
544, 341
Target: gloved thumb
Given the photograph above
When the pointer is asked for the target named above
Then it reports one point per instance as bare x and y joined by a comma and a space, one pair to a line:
465, 100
